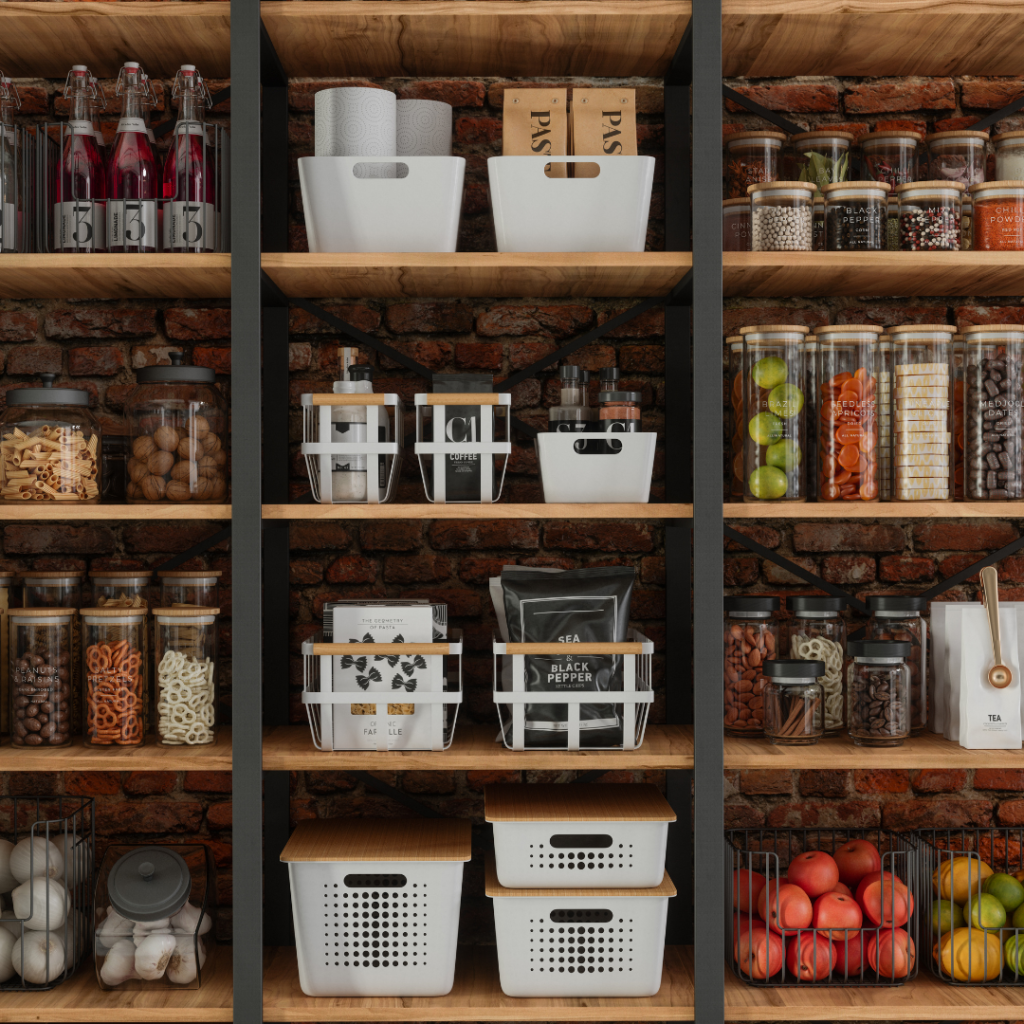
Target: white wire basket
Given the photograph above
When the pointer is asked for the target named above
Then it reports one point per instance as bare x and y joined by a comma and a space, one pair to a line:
597, 943
596, 467
466, 451
383, 458
632, 702
383, 716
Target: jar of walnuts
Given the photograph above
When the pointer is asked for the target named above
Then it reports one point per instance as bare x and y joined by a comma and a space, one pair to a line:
177, 417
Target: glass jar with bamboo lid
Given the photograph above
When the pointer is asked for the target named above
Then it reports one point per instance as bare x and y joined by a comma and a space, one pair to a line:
120, 588
41, 680
186, 675
50, 445
115, 677
189, 588
8, 591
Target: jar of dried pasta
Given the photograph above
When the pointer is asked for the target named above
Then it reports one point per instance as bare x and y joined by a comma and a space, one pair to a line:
189, 587
186, 675
120, 588
817, 633
41, 705
50, 445
115, 680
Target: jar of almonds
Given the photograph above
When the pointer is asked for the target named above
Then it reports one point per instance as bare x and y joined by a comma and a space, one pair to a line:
177, 417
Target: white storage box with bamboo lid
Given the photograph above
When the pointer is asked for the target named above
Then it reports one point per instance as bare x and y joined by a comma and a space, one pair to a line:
584, 943
376, 904
578, 836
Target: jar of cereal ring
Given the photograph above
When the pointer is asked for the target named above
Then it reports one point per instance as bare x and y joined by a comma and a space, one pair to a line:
900, 617
115, 676
751, 639
817, 633
186, 675
40, 677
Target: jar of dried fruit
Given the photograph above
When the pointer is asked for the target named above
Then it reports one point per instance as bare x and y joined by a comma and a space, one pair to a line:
178, 421
751, 639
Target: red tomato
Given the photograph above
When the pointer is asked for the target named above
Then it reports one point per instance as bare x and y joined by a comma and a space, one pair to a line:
759, 952
746, 888
785, 910
810, 957
834, 910
855, 859
842, 888
815, 872
849, 955
885, 899
891, 953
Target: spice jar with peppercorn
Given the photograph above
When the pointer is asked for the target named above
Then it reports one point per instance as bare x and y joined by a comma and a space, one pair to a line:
793, 702
751, 157
855, 216
178, 422
878, 692
781, 216
751, 640
930, 215
891, 156
957, 156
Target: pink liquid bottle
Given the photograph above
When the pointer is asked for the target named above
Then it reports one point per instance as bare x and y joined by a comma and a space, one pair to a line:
98, 104
79, 215
11, 188
190, 215
132, 173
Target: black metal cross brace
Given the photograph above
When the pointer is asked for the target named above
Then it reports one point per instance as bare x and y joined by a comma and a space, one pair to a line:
196, 549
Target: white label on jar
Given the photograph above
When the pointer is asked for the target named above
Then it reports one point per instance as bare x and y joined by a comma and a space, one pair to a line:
190, 224
81, 225
132, 222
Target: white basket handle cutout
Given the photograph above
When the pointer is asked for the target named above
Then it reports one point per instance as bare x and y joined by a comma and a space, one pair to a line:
378, 169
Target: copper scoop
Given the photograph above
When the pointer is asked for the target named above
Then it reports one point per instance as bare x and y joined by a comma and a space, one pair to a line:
999, 675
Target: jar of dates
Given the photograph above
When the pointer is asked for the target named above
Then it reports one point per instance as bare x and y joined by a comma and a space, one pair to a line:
120, 588
189, 587
178, 422
41, 680
751, 639
900, 617
878, 693
115, 680
793, 702
751, 157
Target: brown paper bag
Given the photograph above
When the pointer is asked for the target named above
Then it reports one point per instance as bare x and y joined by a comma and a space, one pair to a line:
603, 123
536, 123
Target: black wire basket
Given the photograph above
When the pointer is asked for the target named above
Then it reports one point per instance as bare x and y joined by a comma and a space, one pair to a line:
67, 823
954, 862
844, 963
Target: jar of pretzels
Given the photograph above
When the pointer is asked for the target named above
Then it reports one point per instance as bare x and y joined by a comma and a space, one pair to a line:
178, 422
41, 685
751, 639
50, 445
115, 686
186, 675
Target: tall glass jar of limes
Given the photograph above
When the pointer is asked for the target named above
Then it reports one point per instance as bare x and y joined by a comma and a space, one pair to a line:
775, 438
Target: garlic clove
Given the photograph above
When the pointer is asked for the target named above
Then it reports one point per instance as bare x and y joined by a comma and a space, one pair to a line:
119, 964
113, 927
182, 969
153, 954
188, 917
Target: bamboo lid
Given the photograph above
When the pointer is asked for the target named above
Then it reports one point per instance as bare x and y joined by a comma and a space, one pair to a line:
775, 329
965, 134
70, 574
893, 133
189, 574
378, 839
192, 611
782, 186
922, 329
930, 186
1008, 135
613, 801
729, 203
849, 329
853, 186
496, 890
41, 613
821, 133
120, 574
741, 136
115, 613
981, 186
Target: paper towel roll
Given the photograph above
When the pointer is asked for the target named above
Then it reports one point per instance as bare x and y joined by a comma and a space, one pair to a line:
354, 121
424, 128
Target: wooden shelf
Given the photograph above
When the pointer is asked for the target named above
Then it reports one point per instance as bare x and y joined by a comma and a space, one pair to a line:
42, 40
476, 512
508, 38
476, 274
152, 757
823, 274
476, 996
924, 998
80, 999
114, 275
873, 510
21, 511
290, 748
928, 750
773, 38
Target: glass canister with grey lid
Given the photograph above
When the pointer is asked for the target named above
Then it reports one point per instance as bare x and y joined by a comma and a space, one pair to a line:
793, 702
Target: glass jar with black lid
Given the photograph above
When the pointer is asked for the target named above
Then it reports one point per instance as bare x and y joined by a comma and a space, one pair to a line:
751, 639
793, 704
878, 692
900, 617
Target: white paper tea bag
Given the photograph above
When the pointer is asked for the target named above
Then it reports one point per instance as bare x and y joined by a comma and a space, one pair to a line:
990, 718
938, 711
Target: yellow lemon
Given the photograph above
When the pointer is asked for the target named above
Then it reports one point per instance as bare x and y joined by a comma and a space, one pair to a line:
970, 954
955, 879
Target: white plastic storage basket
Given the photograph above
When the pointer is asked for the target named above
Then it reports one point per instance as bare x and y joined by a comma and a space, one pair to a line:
549, 835
632, 702
421, 719
483, 448
535, 213
414, 211
588, 943
383, 458
596, 467
411, 869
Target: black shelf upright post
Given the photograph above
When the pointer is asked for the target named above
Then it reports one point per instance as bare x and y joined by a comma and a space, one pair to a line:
246, 522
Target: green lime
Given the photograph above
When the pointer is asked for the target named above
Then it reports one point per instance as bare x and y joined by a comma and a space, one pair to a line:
945, 916
785, 455
1018, 917
786, 401
769, 372
768, 482
1014, 950
765, 428
987, 912
1006, 889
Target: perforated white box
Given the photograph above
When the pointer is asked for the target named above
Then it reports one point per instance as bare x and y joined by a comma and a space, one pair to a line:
376, 904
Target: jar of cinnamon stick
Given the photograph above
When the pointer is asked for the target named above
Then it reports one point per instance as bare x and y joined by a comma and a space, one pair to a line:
793, 702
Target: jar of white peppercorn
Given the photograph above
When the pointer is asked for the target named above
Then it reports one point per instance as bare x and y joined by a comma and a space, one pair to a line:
878, 693
900, 617
957, 156
793, 702
817, 633
930, 215
1009, 149
781, 214
186, 675
855, 215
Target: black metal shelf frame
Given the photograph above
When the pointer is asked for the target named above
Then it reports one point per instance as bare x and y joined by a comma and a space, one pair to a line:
260, 310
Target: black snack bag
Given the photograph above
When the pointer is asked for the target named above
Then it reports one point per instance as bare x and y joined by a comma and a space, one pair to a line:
574, 606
